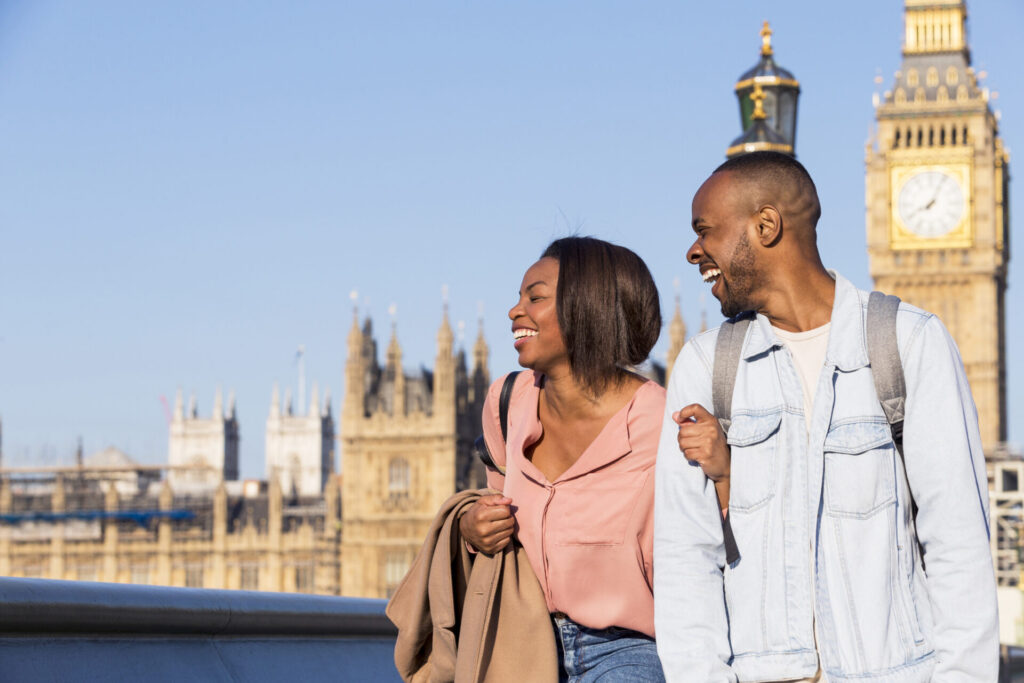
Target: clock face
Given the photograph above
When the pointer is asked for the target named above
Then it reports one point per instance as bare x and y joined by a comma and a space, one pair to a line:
931, 203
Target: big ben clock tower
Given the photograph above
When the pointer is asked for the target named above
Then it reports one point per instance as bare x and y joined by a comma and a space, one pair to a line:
937, 214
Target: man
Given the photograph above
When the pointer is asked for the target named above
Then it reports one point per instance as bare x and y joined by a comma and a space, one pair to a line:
830, 583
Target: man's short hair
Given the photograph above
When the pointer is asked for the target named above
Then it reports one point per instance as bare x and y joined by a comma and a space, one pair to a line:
781, 175
607, 305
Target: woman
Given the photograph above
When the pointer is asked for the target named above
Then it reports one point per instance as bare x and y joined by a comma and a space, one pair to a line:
582, 437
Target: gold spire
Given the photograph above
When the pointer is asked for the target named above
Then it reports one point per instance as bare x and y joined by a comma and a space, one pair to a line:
757, 97
766, 40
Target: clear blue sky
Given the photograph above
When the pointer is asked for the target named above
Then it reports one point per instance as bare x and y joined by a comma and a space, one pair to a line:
190, 190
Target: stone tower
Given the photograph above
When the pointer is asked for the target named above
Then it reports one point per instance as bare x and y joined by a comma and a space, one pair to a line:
209, 446
937, 181
300, 448
406, 441
676, 339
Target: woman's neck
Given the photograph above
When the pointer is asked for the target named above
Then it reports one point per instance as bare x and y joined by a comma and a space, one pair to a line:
566, 398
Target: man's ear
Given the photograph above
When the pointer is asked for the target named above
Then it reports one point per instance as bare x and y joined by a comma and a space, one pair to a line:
769, 225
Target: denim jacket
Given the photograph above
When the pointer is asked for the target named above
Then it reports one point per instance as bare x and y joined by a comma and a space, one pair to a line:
829, 562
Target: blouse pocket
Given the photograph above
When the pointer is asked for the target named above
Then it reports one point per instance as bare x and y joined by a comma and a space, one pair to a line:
752, 469
859, 475
597, 515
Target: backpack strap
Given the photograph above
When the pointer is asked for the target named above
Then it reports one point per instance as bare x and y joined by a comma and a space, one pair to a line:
504, 400
890, 383
886, 367
728, 348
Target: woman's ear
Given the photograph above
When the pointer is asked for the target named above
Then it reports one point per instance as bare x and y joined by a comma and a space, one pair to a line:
769, 225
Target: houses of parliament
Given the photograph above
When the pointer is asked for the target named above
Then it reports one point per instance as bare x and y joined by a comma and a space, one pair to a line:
937, 235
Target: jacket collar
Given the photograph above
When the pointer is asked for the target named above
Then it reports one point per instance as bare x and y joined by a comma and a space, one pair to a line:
847, 340
847, 343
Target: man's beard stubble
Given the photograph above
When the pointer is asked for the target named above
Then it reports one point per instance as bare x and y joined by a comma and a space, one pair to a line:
737, 290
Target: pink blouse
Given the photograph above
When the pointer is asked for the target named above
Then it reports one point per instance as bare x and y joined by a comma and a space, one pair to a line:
588, 534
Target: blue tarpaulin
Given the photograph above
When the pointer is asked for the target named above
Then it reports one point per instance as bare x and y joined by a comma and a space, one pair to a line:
140, 517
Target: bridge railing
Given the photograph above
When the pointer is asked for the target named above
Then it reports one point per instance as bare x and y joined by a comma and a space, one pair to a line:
83, 631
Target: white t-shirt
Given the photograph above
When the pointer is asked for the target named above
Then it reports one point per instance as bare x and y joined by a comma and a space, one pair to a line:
808, 350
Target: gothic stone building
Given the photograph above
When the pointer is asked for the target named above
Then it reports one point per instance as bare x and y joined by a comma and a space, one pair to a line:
406, 446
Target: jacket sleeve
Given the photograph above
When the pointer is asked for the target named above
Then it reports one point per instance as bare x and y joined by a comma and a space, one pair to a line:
946, 471
689, 555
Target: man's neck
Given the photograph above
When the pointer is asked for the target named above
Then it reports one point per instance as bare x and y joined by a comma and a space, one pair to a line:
801, 300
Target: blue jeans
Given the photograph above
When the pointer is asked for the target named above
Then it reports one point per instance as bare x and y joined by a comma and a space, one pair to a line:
610, 655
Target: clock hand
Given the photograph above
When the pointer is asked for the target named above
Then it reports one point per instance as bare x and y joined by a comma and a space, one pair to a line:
935, 197
938, 188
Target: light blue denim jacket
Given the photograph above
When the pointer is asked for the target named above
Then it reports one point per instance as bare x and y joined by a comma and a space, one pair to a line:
823, 524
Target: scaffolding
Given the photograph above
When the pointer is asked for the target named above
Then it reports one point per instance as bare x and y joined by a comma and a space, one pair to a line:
1006, 506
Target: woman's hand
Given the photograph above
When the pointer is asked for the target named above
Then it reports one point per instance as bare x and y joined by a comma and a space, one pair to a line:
702, 440
488, 523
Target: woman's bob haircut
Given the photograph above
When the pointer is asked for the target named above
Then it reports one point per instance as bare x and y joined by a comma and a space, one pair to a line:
607, 306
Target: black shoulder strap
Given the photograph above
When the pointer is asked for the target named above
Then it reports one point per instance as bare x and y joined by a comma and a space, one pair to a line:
505, 398
728, 348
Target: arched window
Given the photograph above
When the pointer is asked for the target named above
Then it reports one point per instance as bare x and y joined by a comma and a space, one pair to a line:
952, 76
912, 78
398, 477
932, 79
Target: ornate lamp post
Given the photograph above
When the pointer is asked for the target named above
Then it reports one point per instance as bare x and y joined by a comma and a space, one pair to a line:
767, 96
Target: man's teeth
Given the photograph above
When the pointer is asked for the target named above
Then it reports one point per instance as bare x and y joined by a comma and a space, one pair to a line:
710, 274
523, 332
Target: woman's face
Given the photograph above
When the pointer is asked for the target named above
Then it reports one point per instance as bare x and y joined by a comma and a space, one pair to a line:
538, 338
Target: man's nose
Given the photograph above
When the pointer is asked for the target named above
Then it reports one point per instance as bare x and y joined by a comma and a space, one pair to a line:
694, 253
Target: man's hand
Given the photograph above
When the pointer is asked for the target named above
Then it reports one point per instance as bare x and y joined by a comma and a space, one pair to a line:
488, 523
702, 440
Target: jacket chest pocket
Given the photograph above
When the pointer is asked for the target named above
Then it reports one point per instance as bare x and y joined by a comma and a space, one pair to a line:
859, 461
752, 451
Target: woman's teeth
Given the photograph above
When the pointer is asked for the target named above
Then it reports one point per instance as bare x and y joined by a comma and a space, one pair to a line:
523, 332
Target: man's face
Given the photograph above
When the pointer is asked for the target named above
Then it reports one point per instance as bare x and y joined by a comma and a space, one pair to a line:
723, 219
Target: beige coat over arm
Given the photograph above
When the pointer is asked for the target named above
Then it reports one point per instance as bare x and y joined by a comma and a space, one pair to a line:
468, 617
